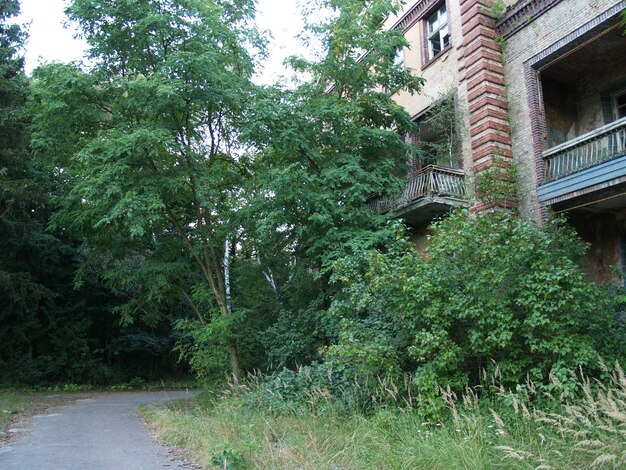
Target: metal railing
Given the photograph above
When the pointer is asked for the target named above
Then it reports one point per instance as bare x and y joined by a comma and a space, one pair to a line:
590, 149
432, 180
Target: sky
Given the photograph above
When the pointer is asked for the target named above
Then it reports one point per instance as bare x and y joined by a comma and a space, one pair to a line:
49, 41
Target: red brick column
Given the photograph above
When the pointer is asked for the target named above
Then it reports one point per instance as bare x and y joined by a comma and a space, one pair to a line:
482, 72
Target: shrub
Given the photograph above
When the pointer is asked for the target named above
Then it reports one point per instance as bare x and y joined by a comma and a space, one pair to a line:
491, 289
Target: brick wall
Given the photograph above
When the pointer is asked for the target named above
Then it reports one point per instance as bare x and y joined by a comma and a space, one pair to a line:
500, 110
442, 75
545, 35
473, 67
482, 75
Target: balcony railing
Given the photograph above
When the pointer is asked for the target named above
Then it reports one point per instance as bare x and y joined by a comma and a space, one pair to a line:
595, 147
431, 181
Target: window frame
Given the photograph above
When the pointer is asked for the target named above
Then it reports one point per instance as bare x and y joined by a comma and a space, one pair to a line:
400, 58
416, 165
616, 108
428, 57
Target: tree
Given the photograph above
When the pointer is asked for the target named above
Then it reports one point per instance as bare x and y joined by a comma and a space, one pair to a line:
339, 137
20, 197
327, 146
143, 140
44, 322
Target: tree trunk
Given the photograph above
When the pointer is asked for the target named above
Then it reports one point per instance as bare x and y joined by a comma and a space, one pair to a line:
229, 306
234, 361
232, 347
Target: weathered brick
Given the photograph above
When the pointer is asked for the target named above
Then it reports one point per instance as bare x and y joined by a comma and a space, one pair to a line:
484, 77
487, 101
492, 149
488, 113
486, 89
484, 65
489, 125
491, 137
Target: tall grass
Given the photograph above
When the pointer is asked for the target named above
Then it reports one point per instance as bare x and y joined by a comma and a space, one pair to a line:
518, 429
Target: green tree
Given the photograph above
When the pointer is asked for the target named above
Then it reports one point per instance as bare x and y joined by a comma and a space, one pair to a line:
45, 323
143, 141
327, 145
337, 138
20, 197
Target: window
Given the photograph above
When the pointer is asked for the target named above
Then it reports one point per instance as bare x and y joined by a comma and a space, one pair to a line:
438, 35
437, 140
619, 104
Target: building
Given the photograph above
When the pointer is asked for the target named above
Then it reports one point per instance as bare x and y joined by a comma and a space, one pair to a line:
535, 84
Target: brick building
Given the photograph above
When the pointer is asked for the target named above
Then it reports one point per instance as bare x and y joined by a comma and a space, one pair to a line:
540, 84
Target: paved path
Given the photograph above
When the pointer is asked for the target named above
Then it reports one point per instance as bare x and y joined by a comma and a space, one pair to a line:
103, 432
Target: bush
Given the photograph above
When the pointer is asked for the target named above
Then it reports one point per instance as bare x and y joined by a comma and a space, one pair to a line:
319, 389
491, 289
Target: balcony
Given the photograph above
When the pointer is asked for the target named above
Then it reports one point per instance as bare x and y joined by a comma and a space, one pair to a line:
593, 161
429, 193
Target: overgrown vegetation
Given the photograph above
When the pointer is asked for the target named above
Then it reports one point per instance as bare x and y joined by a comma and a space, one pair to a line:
484, 352
493, 291
156, 199
56, 326
437, 141
503, 429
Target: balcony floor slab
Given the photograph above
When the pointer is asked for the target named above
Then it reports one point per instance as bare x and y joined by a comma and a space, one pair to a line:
592, 179
425, 209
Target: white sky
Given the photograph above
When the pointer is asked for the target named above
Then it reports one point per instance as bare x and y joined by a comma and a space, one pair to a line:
49, 41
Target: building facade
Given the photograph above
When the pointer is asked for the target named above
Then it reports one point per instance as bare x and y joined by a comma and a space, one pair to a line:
538, 85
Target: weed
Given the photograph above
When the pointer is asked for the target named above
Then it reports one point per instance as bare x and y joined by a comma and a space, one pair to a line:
498, 8
485, 427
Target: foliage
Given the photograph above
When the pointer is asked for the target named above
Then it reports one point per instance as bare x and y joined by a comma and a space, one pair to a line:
300, 325
319, 389
502, 430
324, 148
228, 457
22, 241
496, 185
438, 141
42, 336
335, 139
597, 421
142, 142
491, 289
498, 8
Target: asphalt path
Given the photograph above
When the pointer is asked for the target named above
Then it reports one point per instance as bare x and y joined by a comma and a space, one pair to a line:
100, 432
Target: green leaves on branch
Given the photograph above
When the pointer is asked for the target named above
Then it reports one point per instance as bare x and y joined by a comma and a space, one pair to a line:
143, 140
338, 138
492, 291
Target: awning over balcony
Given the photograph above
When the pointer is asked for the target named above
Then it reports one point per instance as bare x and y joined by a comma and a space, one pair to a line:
591, 162
429, 193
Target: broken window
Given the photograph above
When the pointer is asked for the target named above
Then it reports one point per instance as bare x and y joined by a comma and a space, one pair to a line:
436, 142
438, 34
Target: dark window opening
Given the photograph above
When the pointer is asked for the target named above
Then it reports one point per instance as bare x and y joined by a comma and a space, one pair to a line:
436, 141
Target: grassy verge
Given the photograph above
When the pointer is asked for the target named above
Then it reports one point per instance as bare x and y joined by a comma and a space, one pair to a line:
133, 385
12, 403
215, 431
